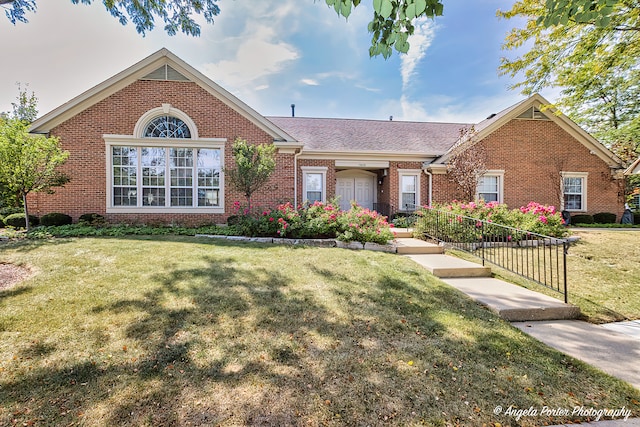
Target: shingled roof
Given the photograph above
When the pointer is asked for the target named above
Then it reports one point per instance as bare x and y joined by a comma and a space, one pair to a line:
353, 135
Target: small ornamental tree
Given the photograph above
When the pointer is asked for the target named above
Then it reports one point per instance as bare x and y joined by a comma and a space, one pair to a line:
467, 165
254, 164
28, 162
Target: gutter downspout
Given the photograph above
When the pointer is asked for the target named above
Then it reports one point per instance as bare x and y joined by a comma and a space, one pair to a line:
430, 175
295, 178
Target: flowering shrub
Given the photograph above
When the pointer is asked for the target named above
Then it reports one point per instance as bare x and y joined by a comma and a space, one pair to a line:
363, 225
534, 218
316, 220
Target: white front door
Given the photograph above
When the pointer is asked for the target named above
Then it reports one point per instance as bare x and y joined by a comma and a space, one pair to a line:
358, 189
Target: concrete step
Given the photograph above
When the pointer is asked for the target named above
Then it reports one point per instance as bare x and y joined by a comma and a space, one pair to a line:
514, 303
416, 246
402, 232
445, 266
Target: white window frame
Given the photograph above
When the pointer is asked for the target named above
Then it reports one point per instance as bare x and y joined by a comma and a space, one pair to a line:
306, 170
583, 194
167, 143
497, 174
408, 172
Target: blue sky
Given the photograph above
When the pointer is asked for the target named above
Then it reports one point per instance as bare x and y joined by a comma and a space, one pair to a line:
272, 53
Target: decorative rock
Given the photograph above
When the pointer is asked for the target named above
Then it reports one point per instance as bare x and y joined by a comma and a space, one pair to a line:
261, 239
212, 236
349, 245
380, 248
320, 243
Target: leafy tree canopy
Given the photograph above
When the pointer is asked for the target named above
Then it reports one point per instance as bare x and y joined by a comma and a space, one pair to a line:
178, 15
254, 164
592, 60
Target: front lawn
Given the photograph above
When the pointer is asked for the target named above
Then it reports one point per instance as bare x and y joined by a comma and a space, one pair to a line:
165, 331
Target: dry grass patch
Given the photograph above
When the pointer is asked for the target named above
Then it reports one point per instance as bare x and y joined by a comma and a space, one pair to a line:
179, 331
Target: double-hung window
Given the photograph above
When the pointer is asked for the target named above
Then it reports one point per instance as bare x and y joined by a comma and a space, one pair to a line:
314, 183
409, 190
574, 191
490, 186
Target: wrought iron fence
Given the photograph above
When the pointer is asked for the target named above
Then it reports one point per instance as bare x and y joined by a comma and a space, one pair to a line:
542, 259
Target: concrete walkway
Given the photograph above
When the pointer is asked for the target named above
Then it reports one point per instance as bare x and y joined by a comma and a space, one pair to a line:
613, 348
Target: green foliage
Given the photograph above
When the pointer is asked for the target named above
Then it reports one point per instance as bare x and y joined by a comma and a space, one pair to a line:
474, 221
176, 15
582, 219
91, 219
25, 109
28, 163
393, 21
590, 50
254, 164
55, 219
85, 230
404, 220
16, 220
316, 220
604, 218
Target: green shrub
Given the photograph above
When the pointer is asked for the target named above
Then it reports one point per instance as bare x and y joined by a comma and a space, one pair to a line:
582, 219
8, 210
91, 219
16, 220
604, 218
55, 219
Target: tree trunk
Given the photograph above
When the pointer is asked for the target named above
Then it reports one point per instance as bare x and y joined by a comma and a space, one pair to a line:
26, 212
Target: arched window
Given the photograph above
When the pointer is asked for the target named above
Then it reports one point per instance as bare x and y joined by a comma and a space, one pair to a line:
167, 127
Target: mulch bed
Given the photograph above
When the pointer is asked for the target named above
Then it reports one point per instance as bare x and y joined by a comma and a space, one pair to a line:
11, 275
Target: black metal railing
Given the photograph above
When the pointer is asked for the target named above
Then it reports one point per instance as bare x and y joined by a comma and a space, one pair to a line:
539, 258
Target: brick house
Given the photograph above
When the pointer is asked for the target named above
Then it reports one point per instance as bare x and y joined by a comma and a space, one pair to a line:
149, 146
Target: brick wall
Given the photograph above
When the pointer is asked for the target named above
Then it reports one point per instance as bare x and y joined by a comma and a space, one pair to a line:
82, 136
532, 153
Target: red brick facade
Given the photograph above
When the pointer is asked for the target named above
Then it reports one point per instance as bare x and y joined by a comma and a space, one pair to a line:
532, 154
82, 136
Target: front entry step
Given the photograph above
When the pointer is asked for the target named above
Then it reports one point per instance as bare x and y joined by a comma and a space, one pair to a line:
445, 266
416, 246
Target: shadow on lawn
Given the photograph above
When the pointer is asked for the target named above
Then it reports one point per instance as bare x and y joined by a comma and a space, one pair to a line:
231, 343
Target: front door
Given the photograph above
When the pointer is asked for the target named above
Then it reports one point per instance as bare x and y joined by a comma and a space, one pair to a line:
358, 189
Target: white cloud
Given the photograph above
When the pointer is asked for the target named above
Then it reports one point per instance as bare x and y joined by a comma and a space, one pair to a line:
420, 41
310, 82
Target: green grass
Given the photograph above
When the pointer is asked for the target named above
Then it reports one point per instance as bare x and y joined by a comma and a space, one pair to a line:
603, 275
165, 331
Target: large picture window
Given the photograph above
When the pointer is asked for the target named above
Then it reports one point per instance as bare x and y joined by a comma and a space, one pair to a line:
139, 176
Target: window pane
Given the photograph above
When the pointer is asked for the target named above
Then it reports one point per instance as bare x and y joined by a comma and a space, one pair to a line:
167, 127
314, 182
488, 197
408, 201
573, 201
314, 196
208, 197
408, 183
181, 197
125, 196
488, 184
153, 197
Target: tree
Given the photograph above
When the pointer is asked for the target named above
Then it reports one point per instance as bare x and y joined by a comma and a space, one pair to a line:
28, 162
467, 164
178, 15
591, 51
254, 164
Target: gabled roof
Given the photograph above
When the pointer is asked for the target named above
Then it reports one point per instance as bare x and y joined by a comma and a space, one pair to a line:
494, 122
634, 168
353, 135
146, 69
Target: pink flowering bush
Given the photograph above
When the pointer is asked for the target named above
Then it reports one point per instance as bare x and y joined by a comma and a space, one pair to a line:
533, 218
363, 225
316, 220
